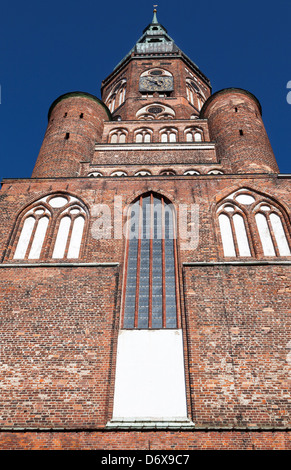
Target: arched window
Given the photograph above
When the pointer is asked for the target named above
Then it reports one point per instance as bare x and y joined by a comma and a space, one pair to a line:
143, 135
191, 173
121, 94
246, 216
61, 217
150, 299
200, 102
143, 173
215, 172
117, 96
167, 173
31, 239
95, 174
233, 231
169, 135
194, 94
70, 232
118, 136
111, 102
271, 230
119, 173
193, 135
150, 373
155, 111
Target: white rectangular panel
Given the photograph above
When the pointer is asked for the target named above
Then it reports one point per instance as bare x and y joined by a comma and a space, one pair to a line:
150, 376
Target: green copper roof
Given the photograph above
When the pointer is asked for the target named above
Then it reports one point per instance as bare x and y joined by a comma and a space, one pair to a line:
155, 40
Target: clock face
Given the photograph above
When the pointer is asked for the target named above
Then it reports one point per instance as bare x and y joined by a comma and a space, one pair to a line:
156, 83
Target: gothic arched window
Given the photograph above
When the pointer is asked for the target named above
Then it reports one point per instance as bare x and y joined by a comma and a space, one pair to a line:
70, 232
118, 136
117, 96
143, 135
150, 372
111, 103
150, 299
246, 216
33, 232
58, 217
155, 111
169, 135
121, 94
194, 135
270, 224
233, 231
194, 94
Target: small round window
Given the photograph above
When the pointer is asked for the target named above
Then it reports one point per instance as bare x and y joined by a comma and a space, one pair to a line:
155, 110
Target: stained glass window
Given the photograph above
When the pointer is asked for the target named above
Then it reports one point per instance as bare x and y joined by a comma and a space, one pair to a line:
151, 272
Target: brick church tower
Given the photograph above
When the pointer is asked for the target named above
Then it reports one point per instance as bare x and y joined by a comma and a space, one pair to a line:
145, 269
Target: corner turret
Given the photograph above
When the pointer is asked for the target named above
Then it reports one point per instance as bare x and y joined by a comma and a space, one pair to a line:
76, 122
236, 126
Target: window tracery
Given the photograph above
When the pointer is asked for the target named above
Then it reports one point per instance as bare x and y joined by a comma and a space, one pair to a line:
155, 111
246, 216
56, 217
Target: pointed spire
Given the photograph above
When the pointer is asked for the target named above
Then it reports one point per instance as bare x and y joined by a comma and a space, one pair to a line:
155, 19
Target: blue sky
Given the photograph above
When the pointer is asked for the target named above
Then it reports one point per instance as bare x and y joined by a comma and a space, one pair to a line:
50, 48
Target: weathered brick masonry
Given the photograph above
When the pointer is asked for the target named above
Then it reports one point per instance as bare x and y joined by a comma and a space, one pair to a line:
64, 288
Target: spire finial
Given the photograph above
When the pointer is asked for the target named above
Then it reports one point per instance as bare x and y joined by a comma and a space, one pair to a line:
155, 20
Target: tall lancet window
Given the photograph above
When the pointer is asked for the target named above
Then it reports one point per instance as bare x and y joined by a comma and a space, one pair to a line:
150, 376
150, 296
33, 233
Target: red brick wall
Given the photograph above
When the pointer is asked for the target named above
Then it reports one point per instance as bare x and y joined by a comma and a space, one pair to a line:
58, 330
135, 440
237, 326
134, 100
59, 325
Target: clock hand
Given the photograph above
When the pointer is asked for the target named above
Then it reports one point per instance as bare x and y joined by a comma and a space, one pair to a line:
156, 82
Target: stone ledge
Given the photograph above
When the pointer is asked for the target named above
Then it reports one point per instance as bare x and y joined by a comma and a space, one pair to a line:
175, 424
236, 263
58, 265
